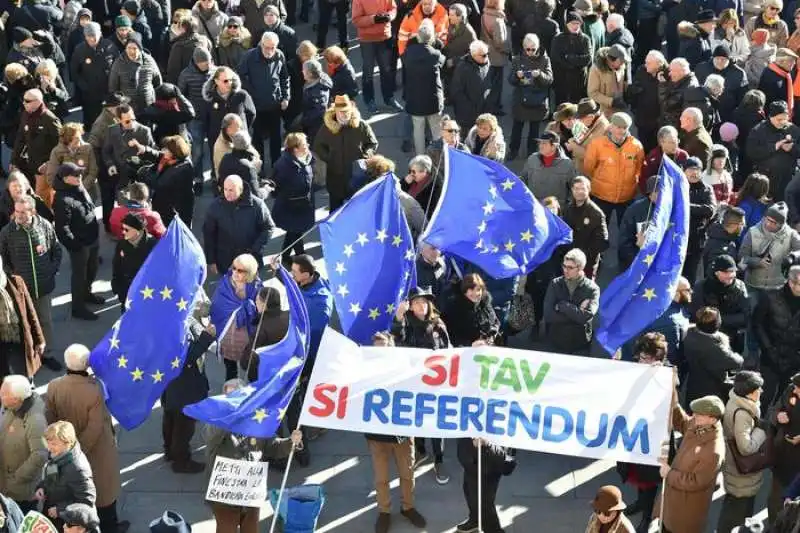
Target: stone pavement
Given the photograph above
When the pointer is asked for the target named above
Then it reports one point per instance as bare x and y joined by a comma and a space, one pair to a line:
546, 493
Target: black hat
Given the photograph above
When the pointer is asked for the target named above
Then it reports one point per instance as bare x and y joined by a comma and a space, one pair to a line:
618, 52
421, 292
573, 16
80, 514
549, 136
723, 263
693, 162
115, 99
70, 169
170, 522
778, 107
20, 34
705, 15
650, 185
747, 381
132, 6
721, 50
134, 38
134, 220
165, 91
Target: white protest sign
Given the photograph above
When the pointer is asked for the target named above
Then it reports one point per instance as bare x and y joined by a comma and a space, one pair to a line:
236, 482
550, 402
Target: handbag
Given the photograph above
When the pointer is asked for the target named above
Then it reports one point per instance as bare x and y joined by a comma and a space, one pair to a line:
534, 97
521, 316
750, 464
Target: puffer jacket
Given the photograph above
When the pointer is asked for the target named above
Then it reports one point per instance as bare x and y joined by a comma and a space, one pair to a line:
181, 52
238, 102
606, 84
730, 300
671, 96
777, 328
468, 321
210, 24
416, 333
135, 79
741, 424
33, 253
191, 83
759, 244
68, 479
231, 49
614, 170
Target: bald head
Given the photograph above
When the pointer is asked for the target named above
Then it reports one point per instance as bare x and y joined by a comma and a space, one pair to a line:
233, 188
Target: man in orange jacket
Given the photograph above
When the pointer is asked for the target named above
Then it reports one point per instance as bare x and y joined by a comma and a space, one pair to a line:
425, 9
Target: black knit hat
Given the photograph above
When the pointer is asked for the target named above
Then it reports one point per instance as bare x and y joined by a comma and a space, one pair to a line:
134, 220
747, 381
20, 34
573, 16
723, 263
115, 99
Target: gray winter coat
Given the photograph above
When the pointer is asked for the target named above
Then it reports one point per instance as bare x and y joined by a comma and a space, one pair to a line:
549, 181
33, 253
758, 244
135, 79
739, 423
116, 150
212, 24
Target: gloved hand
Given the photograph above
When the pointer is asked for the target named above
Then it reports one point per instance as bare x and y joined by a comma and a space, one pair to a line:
619, 103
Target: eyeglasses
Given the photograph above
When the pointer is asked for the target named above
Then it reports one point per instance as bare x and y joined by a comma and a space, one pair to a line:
233, 27
530, 49
453, 130
224, 81
569, 267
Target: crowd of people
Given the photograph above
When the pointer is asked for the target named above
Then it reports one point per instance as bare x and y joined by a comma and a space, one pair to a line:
170, 92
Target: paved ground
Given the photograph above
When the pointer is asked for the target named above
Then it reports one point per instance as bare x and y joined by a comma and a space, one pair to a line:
546, 493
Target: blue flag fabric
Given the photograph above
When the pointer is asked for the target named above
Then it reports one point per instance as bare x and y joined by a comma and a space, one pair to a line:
487, 216
257, 409
371, 259
638, 296
146, 348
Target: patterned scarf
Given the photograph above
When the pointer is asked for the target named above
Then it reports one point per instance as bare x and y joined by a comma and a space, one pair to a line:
9, 318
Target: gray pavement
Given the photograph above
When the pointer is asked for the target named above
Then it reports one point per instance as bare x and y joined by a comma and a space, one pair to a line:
546, 492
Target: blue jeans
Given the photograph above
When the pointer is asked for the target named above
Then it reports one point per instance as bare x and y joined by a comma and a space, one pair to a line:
198, 134
380, 53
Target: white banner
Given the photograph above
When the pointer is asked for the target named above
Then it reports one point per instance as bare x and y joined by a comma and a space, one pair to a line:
549, 402
237, 482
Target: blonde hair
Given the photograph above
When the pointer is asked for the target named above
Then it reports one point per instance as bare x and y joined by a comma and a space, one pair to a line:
14, 72
487, 118
47, 67
728, 15
69, 131
294, 140
307, 49
61, 431
248, 263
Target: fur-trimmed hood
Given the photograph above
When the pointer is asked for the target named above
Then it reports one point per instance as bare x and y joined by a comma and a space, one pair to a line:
332, 124
210, 88
600, 59
244, 38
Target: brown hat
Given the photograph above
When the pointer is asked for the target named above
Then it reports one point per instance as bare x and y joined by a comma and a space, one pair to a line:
565, 111
587, 107
342, 100
608, 498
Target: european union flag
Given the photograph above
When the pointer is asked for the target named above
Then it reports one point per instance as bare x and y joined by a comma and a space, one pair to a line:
257, 409
487, 216
146, 348
638, 296
370, 257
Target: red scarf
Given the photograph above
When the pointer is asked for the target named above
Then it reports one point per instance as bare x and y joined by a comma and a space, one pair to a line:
167, 105
792, 87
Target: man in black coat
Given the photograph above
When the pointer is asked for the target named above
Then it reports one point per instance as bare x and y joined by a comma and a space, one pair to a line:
701, 209
238, 222
471, 85
571, 56
131, 253
736, 83
671, 90
78, 230
723, 291
773, 149
37, 135
777, 79
724, 237
90, 66
424, 94
695, 44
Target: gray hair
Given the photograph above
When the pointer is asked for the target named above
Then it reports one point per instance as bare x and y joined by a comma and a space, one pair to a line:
695, 114
461, 11
27, 200
616, 20
18, 386
35, 94
421, 162
794, 272
715, 82
270, 36
236, 180
577, 256
314, 68
240, 140
229, 119
682, 63
76, 357
531, 39
478, 46
659, 57
665, 132
426, 33
754, 98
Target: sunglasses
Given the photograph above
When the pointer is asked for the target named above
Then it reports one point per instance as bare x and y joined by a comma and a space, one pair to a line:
530, 49
233, 27
30, 101
453, 130
239, 270
224, 81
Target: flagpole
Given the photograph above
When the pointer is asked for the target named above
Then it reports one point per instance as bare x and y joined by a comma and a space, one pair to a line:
276, 510
480, 486
317, 223
253, 347
669, 438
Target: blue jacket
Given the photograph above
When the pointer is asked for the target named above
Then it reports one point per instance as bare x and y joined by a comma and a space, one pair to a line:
753, 213
673, 324
319, 302
294, 201
266, 80
13, 514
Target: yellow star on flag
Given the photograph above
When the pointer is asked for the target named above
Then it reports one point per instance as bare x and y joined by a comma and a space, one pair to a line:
166, 293
648, 259
147, 293
182, 304
526, 236
122, 362
397, 240
510, 246
158, 376
176, 363
114, 343
374, 313
649, 294
390, 309
281, 413
260, 415
137, 374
